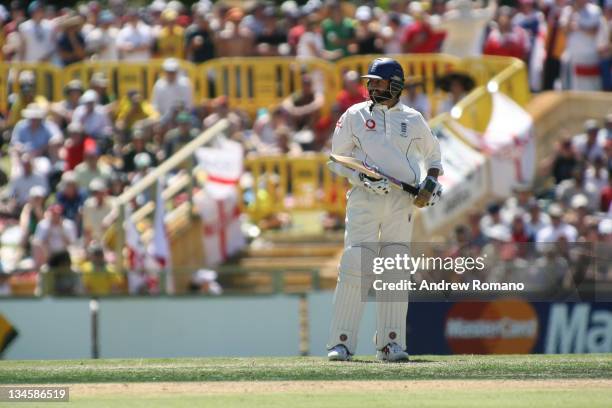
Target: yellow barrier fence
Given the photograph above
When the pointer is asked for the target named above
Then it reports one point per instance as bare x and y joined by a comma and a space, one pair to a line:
48, 81
282, 183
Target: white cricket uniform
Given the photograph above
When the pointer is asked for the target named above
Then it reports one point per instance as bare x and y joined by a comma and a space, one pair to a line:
397, 140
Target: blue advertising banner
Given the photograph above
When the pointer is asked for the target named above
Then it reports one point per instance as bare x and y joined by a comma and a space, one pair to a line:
509, 326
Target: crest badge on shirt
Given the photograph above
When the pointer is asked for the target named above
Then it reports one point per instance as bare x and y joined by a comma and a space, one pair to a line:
403, 129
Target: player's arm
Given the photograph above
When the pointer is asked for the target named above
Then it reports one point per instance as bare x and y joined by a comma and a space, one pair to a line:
343, 145
429, 189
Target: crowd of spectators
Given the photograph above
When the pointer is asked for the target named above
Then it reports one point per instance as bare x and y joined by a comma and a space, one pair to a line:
564, 231
70, 159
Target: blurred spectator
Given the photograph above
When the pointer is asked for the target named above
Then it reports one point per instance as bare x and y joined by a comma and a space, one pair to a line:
311, 43
221, 110
234, 39
70, 197
98, 276
52, 239
170, 41
91, 168
99, 84
535, 219
597, 174
414, 96
132, 109
557, 228
20, 186
587, 145
555, 44
26, 96
204, 281
32, 134
71, 43
586, 33
64, 109
137, 146
284, 143
420, 36
353, 92
75, 145
177, 138
564, 161
101, 41
520, 233
95, 209
605, 134
567, 189
37, 35
272, 40
94, 119
477, 238
366, 32
199, 40
507, 38
171, 89
304, 106
533, 22
518, 203
338, 31
465, 27
606, 198
457, 85
134, 40
17, 16
31, 214
492, 223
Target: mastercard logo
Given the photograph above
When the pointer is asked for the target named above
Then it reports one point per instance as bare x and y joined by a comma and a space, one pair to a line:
508, 326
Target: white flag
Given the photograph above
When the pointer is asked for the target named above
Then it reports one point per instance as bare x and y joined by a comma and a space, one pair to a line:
160, 247
136, 249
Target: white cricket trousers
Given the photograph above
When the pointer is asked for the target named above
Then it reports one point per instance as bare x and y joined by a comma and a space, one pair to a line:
370, 218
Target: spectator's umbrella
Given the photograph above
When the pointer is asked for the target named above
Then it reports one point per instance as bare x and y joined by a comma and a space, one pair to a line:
466, 81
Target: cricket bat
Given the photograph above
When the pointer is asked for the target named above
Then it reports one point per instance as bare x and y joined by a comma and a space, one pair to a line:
373, 171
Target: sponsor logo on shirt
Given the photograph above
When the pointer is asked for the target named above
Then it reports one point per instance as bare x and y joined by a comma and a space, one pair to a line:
370, 124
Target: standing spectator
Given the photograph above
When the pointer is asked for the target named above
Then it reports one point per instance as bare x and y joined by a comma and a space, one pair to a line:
171, 89
170, 41
353, 92
338, 31
415, 96
507, 38
420, 36
71, 43
586, 32
101, 41
564, 162
37, 35
199, 40
52, 239
96, 208
555, 44
135, 39
94, 119
587, 145
465, 28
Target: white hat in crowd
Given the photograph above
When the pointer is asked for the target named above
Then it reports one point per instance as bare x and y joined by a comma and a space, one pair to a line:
90, 96
170, 65
34, 111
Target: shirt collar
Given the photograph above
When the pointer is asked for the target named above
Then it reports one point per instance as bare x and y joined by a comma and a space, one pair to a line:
398, 106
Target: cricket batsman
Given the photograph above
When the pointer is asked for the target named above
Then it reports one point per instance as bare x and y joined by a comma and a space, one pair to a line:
394, 138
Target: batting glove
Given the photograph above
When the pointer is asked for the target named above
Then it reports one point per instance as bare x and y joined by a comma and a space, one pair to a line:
435, 194
376, 186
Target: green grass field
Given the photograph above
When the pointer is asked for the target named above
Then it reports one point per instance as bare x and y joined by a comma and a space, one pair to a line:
426, 381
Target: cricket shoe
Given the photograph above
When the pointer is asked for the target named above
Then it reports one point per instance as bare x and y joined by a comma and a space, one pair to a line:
339, 353
392, 352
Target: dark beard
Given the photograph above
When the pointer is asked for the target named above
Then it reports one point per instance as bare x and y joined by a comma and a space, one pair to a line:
381, 96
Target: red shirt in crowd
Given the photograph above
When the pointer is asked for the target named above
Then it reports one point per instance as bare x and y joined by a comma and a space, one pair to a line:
346, 100
512, 44
606, 198
419, 37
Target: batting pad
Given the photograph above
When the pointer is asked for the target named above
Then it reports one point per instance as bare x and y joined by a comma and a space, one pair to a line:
391, 323
347, 311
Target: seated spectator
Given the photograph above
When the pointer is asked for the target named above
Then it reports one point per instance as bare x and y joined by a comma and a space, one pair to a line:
265, 127
96, 208
605, 198
420, 36
135, 39
199, 40
520, 233
392, 34
310, 43
569, 188
605, 134
415, 96
177, 138
117, 184
564, 162
137, 146
26, 96
220, 110
457, 85
493, 220
170, 40
20, 186
535, 219
71, 43
477, 238
272, 38
98, 276
234, 39
70, 197
132, 109
93, 118
31, 214
64, 109
304, 106
32, 134
284, 143
99, 83
171, 88
518, 203
366, 32
557, 228
101, 41
75, 145
52, 239
507, 38
91, 168
597, 174
587, 145
352, 92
